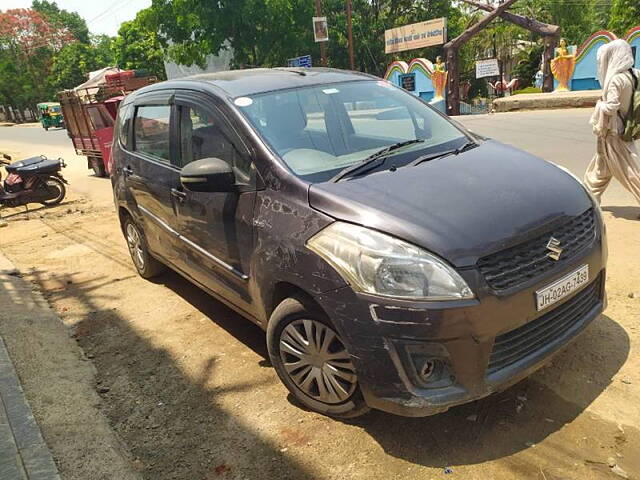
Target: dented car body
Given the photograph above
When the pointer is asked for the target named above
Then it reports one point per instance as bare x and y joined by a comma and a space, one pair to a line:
395, 260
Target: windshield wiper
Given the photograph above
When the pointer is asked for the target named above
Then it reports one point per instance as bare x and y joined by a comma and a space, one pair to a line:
373, 160
446, 153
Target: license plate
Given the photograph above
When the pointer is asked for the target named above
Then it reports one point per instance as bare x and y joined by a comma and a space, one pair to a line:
560, 289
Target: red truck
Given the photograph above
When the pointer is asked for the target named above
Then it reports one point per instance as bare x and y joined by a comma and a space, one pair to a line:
90, 113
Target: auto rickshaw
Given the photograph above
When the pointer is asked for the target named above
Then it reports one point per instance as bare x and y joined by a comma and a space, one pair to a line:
51, 115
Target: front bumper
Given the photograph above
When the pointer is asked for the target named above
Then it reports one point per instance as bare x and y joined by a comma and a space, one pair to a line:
385, 337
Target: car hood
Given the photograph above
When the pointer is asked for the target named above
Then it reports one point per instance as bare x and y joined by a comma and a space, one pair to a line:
460, 207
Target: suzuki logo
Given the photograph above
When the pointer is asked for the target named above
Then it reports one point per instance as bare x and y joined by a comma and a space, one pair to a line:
554, 249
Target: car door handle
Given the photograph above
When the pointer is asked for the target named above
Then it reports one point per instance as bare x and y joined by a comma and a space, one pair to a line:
127, 170
178, 194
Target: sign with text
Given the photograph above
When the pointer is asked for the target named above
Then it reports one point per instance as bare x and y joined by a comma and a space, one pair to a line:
304, 61
408, 81
320, 29
487, 68
416, 35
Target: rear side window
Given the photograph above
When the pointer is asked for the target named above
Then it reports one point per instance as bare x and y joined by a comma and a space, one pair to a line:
151, 131
124, 124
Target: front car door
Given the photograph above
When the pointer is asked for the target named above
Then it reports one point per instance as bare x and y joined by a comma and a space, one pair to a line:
217, 227
150, 173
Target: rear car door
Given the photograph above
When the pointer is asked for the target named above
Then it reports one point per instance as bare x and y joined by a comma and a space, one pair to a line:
150, 174
217, 227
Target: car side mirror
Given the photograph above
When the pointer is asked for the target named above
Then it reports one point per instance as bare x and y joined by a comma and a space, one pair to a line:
208, 175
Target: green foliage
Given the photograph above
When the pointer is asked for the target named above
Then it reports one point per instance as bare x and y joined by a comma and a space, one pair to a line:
71, 64
528, 65
527, 90
60, 18
625, 14
138, 47
268, 32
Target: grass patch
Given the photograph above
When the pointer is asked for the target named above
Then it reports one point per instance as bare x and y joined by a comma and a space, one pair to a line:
527, 90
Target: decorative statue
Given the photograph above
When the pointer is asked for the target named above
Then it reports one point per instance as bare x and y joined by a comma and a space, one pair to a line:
439, 78
562, 66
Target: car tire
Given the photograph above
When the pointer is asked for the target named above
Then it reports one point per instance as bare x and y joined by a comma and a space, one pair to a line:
146, 264
321, 393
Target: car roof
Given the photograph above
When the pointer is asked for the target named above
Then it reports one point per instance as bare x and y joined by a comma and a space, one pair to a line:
238, 83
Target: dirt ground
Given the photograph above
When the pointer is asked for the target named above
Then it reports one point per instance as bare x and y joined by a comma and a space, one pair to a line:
186, 383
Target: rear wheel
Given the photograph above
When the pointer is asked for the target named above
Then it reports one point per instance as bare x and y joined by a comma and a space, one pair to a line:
312, 361
97, 165
146, 265
55, 190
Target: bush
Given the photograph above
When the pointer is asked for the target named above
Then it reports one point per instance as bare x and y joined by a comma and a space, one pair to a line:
528, 65
527, 90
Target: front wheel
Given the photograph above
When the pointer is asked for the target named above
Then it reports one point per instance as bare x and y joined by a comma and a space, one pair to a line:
56, 191
312, 361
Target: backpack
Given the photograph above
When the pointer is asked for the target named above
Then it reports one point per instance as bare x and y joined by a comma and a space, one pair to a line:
632, 122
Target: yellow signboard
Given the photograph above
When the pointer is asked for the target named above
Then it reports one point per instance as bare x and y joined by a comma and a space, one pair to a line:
416, 35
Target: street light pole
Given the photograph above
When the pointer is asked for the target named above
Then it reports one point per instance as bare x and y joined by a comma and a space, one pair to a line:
352, 62
323, 47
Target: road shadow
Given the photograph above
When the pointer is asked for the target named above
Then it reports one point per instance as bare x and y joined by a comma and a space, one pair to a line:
628, 213
524, 415
22, 213
239, 327
172, 424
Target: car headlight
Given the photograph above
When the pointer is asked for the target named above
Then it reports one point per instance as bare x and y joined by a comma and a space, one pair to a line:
375, 263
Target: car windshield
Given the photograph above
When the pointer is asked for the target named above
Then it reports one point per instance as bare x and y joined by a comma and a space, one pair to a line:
323, 129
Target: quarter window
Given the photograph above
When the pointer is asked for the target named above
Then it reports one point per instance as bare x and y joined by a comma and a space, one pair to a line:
124, 121
151, 131
204, 135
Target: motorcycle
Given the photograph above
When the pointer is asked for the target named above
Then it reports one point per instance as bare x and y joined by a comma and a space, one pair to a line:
33, 180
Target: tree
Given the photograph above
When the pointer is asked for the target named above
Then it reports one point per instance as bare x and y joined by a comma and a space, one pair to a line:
625, 14
138, 47
62, 19
268, 32
72, 63
27, 44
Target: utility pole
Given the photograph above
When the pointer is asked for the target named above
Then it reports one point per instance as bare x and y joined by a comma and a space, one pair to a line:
352, 62
323, 46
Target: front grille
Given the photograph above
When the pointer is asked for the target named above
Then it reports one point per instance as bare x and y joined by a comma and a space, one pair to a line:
515, 345
513, 266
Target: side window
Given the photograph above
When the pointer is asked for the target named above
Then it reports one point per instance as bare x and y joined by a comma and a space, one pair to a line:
124, 124
151, 131
203, 135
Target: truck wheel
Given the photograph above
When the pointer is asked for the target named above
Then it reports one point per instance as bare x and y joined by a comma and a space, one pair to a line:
97, 165
312, 361
146, 265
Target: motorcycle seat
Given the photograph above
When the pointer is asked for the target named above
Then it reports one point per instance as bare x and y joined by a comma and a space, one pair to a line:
34, 165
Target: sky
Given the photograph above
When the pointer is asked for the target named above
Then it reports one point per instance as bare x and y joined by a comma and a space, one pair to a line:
102, 16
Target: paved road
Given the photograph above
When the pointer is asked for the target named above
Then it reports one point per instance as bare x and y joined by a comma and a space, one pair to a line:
561, 136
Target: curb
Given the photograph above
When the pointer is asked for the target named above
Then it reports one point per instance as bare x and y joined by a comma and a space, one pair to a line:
23, 452
80, 438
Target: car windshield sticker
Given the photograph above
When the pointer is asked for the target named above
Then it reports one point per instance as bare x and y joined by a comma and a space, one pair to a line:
243, 101
330, 91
